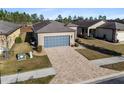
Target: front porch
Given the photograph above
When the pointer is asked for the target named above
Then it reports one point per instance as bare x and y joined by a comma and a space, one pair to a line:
86, 32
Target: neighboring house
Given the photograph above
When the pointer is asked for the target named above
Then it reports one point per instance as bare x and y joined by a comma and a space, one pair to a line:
8, 32
26, 29
28, 32
52, 34
107, 30
111, 31
87, 27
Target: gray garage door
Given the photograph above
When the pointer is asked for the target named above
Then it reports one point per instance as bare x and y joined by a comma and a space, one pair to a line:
54, 41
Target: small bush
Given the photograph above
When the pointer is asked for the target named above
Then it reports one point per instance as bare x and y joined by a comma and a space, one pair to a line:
39, 48
77, 40
11, 53
18, 40
115, 41
72, 45
76, 44
88, 37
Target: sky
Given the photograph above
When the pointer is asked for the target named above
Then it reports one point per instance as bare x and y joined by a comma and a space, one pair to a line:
52, 13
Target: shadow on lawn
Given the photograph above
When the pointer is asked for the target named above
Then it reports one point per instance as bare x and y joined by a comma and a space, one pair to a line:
102, 50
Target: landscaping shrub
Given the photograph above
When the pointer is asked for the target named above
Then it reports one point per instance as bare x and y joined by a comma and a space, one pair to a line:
88, 37
77, 40
18, 40
76, 44
115, 41
11, 53
72, 45
39, 48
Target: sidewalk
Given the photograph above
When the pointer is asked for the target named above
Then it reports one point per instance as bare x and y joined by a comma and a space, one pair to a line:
104, 78
27, 75
106, 61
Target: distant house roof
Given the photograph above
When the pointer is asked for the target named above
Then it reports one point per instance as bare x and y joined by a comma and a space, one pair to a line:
50, 27
86, 23
7, 28
71, 25
113, 25
26, 29
40, 25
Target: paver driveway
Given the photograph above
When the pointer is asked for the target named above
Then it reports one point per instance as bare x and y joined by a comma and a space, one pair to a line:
72, 67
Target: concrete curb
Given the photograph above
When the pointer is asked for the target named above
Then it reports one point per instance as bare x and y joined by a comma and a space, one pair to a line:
102, 79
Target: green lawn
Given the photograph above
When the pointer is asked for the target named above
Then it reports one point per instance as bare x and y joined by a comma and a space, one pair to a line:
12, 66
91, 55
21, 47
96, 49
117, 66
104, 44
44, 80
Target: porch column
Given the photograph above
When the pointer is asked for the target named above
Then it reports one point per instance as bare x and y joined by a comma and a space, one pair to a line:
88, 32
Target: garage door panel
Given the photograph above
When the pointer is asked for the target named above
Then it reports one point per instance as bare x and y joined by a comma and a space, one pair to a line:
54, 41
120, 36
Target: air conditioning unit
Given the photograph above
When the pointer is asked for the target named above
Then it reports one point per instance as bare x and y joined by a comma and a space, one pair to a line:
1, 50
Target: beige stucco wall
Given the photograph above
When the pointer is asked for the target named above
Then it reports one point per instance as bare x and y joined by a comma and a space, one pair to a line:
42, 35
100, 32
11, 38
74, 28
120, 35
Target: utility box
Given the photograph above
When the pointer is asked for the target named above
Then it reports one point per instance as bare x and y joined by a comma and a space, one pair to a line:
30, 54
21, 56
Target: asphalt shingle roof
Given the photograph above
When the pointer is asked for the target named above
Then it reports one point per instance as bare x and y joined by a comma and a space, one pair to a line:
113, 25
40, 25
71, 25
51, 27
7, 28
86, 23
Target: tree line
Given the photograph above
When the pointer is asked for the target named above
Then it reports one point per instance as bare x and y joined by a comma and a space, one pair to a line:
25, 18
18, 17
71, 19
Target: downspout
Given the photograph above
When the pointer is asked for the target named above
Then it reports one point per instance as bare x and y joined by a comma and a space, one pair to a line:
114, 37
7, 43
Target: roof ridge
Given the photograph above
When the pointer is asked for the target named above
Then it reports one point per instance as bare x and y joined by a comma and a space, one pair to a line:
40, 22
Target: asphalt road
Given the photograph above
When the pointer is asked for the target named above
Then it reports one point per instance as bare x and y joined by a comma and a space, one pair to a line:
119, 80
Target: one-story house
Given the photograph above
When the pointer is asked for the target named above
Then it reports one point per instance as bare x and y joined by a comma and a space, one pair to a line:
107, 30
87, 27
28, 32
53, 34
8, 32
111, 31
